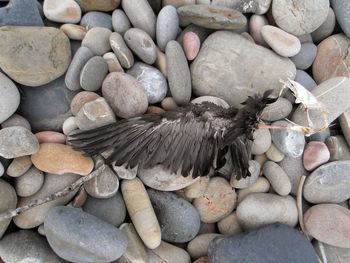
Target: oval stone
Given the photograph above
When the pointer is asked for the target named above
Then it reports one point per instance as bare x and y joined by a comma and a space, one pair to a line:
121, 50
16, 120
229, 225
278, 178
66, 227
315, 154
120, 21
93, 73
107, 5
112, 62
261, 185
191, 45
80, 99
59, 159
9, 100
51, 136
29, 183
8, 202
96, 19
167, 26
304, 59
19, 166
66, 11
74, 32
261, 141
198, 246
97, 40
167, 252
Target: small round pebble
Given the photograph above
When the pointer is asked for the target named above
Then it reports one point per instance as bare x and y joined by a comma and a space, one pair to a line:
120, 21
97, 40
121, 50
212, 99
274, 154
278, 178
191, 45
29, 183
261, 185
256, 23
93, 73
9, 99
167, 26
51, 136
167, 252
64, 11
169, 103
74, 32
112, 62
19, 166
96, 19
229, 225
261, 141
305, 57
198, 246
315, 154
16, 120
69, 125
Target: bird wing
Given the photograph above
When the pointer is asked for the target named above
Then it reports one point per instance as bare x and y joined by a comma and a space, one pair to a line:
173, 139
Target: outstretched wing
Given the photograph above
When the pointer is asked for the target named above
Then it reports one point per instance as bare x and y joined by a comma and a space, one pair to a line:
173, 139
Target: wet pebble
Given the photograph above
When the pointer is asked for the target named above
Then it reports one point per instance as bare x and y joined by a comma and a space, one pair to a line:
80, 99
278, 179
112, 62
315, 154
261, 141
167, 26
74, 32
96, 19
9, 101
229, 225
97, 40
66, 11
29, 183
191, 45
51, 136
120, 21
305, 57
8, 202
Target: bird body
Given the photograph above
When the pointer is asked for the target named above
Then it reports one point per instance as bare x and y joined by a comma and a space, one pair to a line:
189, 138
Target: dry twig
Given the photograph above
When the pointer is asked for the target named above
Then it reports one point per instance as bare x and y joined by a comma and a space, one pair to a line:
300, 206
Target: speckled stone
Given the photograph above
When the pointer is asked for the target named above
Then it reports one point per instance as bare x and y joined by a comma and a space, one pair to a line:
167, 26
305, 57
198, 188
277, 177
66, 11
8, 202
97, 40
93, 73
121, 50
96, 19
120, 21
29, 183
9, 101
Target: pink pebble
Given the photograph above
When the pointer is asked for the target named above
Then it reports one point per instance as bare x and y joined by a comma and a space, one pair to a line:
191, 45
51, 136
256, 23
315, 154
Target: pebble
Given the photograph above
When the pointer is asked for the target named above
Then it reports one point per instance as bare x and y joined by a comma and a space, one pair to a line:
66, 11
47, 46
328, 184
341, 9
16, 120
256, 23
169, 253
51, 136
2, 169
274, 154
281, 42
136, 250
305, 80
261, 141
87, 5
79, 237
80, 99
179, 76
141, 44
198, 246
198, 188
69, 125
121, 50
338, 148
178, 3
27, 246
202, 260
229, 225
80, 198
319, 136
191, 45
120, 21
269, 244
167, 26
96, 19
123, 172
300, 17
97, 40
277, 177
111, 210
9, 101
305, 57
329, 223
74, 32
179, 220
260, 209
8, 202
331, 50
290, 142
18, 13
152, 81
326, 29
228, 84
212, 99
217, 202
93, 73
334, 97
104, 185
315, 154
141, 15
124, 94
17, 141
29, 183
19, 166
213, 17
59, 159
72, 77
169, 103
154, 109
141, 212
328, 253
52, 184
254, 169
163, 179
112, 62
261, 185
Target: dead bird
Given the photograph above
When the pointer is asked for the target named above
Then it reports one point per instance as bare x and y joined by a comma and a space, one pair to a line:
193, 138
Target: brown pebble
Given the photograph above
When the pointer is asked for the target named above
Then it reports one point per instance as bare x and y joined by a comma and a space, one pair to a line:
80, 198
51, 136
154, 109
169, 104
315, 154
80, 99
74, 32
191, 44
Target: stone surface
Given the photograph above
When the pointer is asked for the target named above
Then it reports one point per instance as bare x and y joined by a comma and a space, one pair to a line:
214, 72
27, 246
213, 17
198, 188
274, 154
329, 223
152, 81
93, 73
254, 169
278, 179
97, 40
326, 29
191, 45
10, 98
260, 209
121, 50
16, 120
169, 253
328, 184
281, 42
141, 212
46, 107
331, 59
111, 210
52, 184
300, 17
217, 202
315, 154
328, 253
261, 185
8, 202
269, 244
29, 183
112, 62
18, 13
305, 80
90, 5
34, 56
66, 11
261, 141
256, 22
229, 225
341, 10
124, 94
120, 21
67, 227
80, 99
141, 15
59, 159
19, 166
69, 125
198, 246
17, 141
167, 26
305, 57
51, 136
141, 44
338, 148
96, 19
179, 76
179, 220
74, 32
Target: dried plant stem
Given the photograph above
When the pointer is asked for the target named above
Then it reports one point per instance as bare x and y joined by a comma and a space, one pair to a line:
63, 192
300, 206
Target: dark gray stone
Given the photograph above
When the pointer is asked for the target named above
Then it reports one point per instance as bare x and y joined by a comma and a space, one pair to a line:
20, 13
96, 19
304, 59
46, 107
342, 10
80, 237
93, 73
111, 210
271, 244
178, 219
